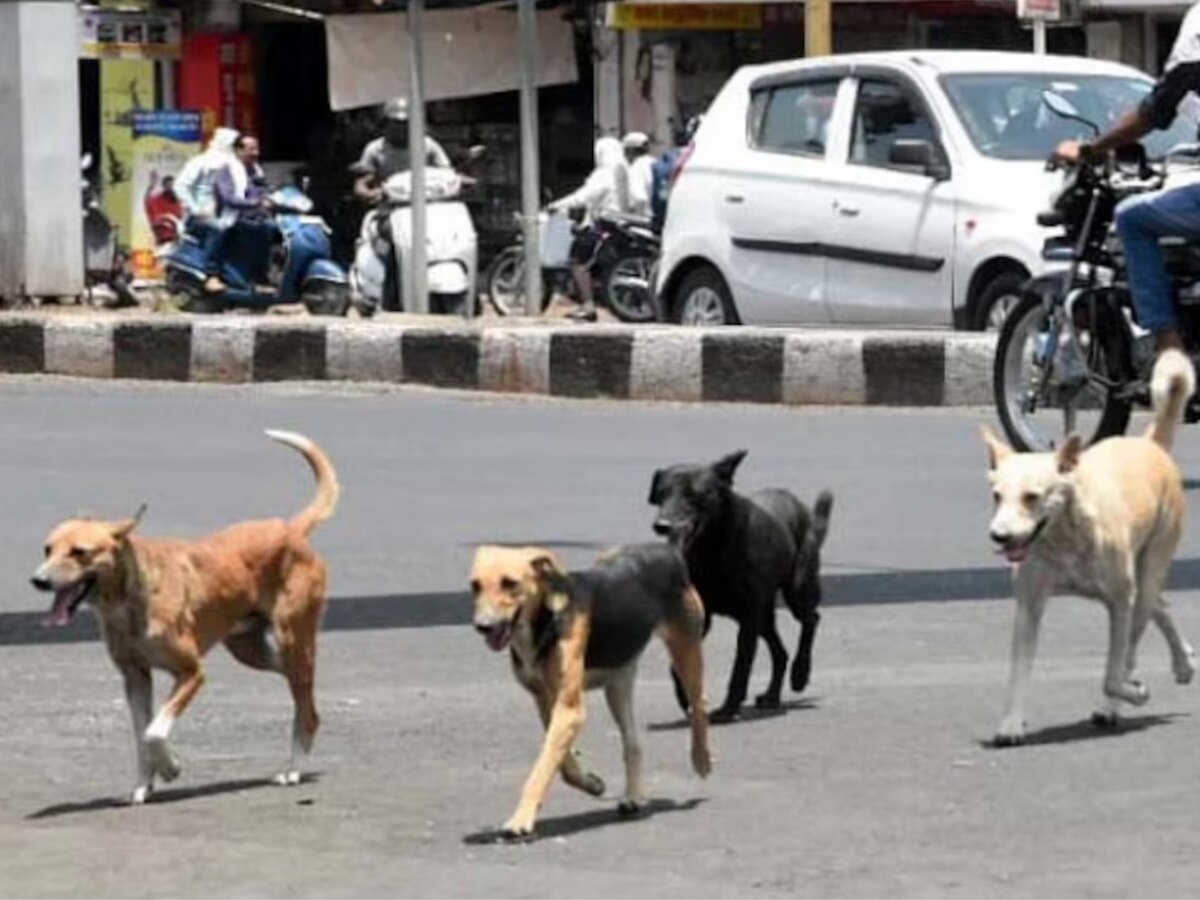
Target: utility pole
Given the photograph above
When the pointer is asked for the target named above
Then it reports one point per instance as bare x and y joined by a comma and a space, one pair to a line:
818, 27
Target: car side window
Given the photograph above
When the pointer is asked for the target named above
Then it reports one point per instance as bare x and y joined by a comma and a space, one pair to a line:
884, 113
793, 118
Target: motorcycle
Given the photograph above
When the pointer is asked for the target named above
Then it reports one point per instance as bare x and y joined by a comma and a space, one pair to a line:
1071, 356
105, 261
384, 247
623, 268
286, 260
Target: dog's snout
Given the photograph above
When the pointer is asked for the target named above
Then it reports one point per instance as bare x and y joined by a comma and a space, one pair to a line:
40, 582
483, 627
1000, 537
662, 527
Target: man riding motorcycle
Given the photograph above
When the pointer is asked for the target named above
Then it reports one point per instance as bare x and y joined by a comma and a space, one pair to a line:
386, 156
1175, 212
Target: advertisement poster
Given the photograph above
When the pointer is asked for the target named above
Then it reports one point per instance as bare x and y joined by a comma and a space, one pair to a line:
217, 77
129, 34
163, 140
126, 88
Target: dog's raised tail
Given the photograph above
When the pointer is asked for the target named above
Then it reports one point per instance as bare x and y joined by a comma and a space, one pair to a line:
328, 489
1173, 382
822, 510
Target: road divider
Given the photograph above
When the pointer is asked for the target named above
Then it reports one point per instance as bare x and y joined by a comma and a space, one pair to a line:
647, 362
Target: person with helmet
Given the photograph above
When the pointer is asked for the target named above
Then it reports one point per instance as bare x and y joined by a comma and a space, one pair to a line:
196, 188
388, 154
641, 172
606, 191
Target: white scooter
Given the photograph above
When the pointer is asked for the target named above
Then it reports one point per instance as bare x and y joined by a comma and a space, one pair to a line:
386, 239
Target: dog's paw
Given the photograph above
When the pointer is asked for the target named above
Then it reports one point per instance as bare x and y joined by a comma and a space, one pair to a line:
1185, 670
800, 677
165, 762
1011, 733
629, 809
701, 760
766, 701
517, 828
1132, 691
141, 794
289, 778
1106, 719
724, 714
592, 784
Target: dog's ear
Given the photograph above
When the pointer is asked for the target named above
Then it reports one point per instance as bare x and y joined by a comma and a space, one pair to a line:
727, 465
656, 488
998, 451
554, 582
1069, 453
121, 530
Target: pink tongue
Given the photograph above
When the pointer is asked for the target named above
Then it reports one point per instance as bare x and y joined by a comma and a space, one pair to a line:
59, 615
497, 638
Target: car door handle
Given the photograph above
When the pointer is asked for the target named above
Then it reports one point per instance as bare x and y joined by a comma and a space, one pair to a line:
735, 198
848, 211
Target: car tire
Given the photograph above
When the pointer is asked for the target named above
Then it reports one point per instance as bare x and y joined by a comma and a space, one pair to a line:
703, 299
998, 298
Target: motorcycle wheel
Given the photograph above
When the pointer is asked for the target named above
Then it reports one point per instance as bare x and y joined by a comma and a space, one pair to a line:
324, 298
629, 289
506, 281
1084, 406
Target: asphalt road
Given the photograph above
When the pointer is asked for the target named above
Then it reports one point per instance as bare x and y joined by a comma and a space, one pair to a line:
876, 782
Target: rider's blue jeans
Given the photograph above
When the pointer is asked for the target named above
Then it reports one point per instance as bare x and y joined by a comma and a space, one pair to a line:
1141, 221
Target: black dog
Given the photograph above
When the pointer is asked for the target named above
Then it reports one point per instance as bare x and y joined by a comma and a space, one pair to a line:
740, 552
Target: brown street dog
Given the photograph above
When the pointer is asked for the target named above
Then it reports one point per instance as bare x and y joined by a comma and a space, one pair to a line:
574, 632
164, 603
1102, 523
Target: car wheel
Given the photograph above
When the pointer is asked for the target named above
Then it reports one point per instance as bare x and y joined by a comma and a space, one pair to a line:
997, 299
703, 299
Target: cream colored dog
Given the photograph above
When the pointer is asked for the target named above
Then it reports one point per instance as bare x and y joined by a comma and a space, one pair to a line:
1103, 523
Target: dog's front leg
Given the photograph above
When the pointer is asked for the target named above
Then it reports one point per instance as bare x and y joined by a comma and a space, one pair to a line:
139, 694
573, 772
165, 762
743, 663
1117, 683
1031, 603
565, 681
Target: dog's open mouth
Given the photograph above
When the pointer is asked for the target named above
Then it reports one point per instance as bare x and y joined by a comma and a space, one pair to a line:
499, 635
1016, 552
67, 600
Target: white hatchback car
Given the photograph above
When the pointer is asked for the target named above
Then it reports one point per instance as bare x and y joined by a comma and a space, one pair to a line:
897, 188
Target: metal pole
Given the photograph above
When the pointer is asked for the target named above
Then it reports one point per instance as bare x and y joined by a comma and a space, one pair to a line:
418, 274
818, 28
530, 178
1039, 36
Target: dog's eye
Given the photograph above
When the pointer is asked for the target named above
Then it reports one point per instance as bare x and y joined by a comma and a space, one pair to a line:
508, 584
996, 497
1030, 499
78, 552
476, 587
47, 550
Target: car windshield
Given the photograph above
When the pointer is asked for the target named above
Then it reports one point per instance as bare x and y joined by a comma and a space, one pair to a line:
1006, 118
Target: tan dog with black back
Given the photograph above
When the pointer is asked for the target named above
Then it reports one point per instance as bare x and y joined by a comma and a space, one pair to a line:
164, 603
1103, 523
573, 632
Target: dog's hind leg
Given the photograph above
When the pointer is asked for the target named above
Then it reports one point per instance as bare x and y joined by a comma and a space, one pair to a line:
1183, 658
680, 693
770, 633
297, 620
687, 659
139, 692
619, 694
1032, 590
250, 646
803, 600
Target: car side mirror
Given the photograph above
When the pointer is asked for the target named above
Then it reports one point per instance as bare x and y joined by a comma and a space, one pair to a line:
920, 155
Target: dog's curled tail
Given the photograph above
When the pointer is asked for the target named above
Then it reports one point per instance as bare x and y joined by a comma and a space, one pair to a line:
1173, 382
822, 510
328, 489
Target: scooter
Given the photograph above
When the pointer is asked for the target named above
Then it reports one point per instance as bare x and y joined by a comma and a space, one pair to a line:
286, 260
105, 262
384, 248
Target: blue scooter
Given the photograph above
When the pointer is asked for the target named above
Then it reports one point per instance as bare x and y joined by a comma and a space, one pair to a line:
286, 259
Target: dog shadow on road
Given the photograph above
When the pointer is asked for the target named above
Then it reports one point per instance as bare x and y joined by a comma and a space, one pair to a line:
163, 795
749, 713
1087, 730
565, 826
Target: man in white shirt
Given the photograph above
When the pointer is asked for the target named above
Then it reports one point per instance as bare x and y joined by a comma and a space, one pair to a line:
641, 172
